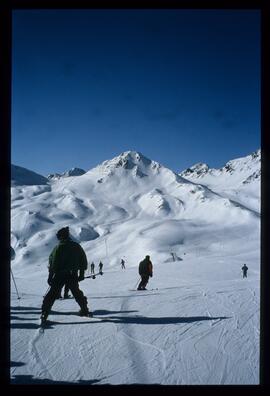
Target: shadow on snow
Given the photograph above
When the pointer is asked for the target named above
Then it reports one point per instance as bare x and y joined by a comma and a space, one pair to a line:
141, 320
16, 364
29, 379
137, 319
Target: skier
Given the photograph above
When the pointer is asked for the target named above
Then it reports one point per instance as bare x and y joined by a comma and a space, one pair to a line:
100, 266
123, 264
66, 295
92, 268
244, 269
145, 270
66, 259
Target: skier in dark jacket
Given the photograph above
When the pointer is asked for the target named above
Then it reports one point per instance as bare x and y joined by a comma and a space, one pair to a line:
123, 264
244, 269
65, 261
100, 266
92, 268
145, 270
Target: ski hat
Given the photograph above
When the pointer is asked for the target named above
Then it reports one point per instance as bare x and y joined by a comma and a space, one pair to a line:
63, 233
148, 257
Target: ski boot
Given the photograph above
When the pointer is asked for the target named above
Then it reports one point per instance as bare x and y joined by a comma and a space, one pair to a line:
43, 318
86, 313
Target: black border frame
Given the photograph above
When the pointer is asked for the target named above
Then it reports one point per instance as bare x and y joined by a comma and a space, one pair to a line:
6, 8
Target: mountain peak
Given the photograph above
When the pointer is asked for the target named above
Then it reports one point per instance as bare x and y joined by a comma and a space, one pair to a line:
74, 172
234, 174
129, 160
68, 173
197, 170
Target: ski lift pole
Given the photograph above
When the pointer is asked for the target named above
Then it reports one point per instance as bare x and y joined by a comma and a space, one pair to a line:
15, 284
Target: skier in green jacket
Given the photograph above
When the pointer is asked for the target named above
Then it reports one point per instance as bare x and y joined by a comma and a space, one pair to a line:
65, 261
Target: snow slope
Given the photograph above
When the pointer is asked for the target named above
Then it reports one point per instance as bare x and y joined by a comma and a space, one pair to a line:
201, 326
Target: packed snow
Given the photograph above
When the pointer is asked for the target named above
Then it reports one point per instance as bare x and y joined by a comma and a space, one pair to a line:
198, 322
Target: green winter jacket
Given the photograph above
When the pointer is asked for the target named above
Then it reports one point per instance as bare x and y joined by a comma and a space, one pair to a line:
67, 256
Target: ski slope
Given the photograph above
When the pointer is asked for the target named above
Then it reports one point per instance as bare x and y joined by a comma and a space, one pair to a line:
198, 322
200, 326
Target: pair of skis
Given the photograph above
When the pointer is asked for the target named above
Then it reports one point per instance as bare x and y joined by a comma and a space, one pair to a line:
47, 322
93, 276
143, 289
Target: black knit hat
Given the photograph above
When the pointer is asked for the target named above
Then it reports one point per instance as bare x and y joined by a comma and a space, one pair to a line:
63, 233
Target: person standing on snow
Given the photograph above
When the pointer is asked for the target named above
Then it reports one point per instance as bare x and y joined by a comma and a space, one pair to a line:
65, 261
145, 270
100, 266
244, 269
92, 268
123, 264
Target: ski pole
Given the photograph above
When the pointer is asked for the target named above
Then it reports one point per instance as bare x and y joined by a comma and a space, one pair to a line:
15, 284
137, 283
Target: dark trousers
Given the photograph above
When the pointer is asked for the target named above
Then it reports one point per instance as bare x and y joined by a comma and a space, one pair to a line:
244, 274
144, 281
66, 290
57, 284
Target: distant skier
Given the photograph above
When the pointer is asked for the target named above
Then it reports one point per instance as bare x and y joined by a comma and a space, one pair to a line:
145, 270
92, 268
66, 295
100, 266
66, 259
123, 264
244, 269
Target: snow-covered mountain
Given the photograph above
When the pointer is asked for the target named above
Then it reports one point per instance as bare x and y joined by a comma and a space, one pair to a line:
23, 177
127, 198
68, 173
238, 179
198, 230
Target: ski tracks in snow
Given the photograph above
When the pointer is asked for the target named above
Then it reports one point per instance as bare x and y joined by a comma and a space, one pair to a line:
114, 351
37, 366
230, 347
139, 360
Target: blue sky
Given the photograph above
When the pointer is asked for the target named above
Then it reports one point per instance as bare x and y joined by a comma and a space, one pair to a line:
180, 86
